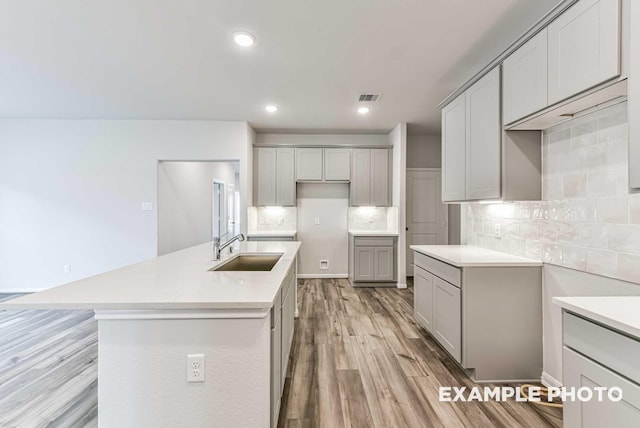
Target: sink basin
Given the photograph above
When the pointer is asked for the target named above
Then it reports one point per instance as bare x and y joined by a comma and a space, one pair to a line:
250, 263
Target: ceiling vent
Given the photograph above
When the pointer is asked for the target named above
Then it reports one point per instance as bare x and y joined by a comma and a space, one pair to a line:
369, 97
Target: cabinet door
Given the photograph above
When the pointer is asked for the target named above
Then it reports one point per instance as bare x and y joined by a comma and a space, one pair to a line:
363, 260
453, 150
288, 315
360, 177
379, 187
266, 163
285, 177
579, 372
309, 164
584, 47
337, 164
483, 140
447, 325
423, 297
383, 263
524, 79
276, 369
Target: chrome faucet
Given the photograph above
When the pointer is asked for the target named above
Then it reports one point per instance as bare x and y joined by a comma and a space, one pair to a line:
217, 247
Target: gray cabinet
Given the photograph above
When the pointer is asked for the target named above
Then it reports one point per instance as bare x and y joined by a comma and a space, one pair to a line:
447, 318
274, 178
423, 298
464, 310
276, 366
337, 164
479, 159
524, 79
309, 164
596, 356
372, 260
584, 47
370, 177
483, 139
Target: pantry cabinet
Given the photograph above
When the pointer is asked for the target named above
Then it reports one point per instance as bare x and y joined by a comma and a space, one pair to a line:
524, 79
584, 47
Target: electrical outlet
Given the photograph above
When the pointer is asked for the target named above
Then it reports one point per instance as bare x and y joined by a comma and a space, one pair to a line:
497, 229
317, 221
281, 221
67, 268
195, 368
146, 206
261, 220
324, 264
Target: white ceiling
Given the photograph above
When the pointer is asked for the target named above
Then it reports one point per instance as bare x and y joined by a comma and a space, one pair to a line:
175, 59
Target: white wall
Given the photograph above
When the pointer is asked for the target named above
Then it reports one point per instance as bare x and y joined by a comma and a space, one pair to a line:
323, 139
329, 239
70, 191
185, 200
398, 138
424, 151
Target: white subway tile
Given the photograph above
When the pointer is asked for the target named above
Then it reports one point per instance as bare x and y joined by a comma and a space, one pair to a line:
602, 262
634, 209
602, 183
613, 210
568, 233
552, 253
624, 238
575, 185
574, 257
629, 267
593, 235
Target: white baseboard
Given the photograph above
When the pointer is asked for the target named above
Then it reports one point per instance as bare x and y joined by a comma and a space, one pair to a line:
548, 380
20, 290
402, 285
322, 275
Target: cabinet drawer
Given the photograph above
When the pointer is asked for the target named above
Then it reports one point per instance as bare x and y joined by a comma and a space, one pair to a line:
440, 269
373, 241
612, 349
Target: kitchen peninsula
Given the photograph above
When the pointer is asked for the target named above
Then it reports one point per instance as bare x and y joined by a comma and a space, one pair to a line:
154, 314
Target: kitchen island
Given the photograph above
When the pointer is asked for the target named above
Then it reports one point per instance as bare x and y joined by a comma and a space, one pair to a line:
154, 314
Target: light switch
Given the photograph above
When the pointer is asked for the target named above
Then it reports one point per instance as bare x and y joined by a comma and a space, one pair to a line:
147, 206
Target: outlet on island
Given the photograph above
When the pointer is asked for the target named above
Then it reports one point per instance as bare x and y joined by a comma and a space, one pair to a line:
324, 264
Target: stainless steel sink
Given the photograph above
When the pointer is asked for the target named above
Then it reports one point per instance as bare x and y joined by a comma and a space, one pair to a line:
250, 263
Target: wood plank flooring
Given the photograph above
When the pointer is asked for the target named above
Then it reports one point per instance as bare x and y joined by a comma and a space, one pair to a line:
360, 360
48, 369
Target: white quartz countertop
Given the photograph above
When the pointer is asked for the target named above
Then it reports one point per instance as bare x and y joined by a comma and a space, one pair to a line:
470, 256
287, 233
180, 280
619, 312
372, 233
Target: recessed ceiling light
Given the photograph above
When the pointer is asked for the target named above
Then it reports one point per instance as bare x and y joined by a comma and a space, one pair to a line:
244, 38
363, 110
271, 108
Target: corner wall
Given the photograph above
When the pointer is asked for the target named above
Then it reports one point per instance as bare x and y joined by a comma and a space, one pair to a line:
398, 138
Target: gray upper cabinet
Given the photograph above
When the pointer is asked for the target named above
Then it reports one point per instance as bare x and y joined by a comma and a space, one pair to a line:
584, 47
471, 142
370, 177
483, 139
524, 79
337, 164
309, 164
274, 177
454, 150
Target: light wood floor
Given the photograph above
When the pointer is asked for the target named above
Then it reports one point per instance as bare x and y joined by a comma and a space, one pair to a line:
48, 369
358, 360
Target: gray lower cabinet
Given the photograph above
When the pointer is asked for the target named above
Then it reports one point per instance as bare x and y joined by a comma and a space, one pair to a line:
370, 177
274, 176
595, 356
489, 319
282, 328
372, 260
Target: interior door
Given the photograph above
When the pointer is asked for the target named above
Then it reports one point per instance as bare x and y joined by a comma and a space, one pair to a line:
426, 214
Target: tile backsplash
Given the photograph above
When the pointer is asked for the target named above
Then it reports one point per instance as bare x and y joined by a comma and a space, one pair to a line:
373, 218
271, 219
587, 219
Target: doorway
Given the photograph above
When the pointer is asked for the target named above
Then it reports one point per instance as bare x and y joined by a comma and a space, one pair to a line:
427, 216
196, 201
